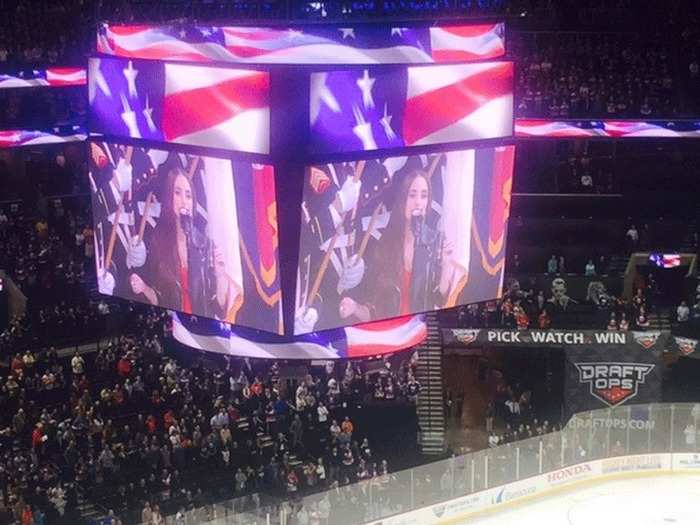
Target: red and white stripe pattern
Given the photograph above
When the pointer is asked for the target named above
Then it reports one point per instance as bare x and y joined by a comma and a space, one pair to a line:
671, 260
666, 260
621, 128
451, 103
66, 76
54, 77
155, 43
18, 138
457, 214
467, 42
275, 46
220, 108
295, 46
368, 339
381, 337
9, 139
606, 128
553, 128
11, 82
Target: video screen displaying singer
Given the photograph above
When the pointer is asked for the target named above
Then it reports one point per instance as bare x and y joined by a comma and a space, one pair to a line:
389, 237
172, 231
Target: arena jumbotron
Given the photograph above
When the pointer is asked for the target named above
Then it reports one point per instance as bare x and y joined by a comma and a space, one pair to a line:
314, 263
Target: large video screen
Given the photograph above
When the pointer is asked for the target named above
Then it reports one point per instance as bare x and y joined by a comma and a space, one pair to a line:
195, 234
375, 108
53, 77
388, 237
313, 44
212, 107
22, 137
617, 129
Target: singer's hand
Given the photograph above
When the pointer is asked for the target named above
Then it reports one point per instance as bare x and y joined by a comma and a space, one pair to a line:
123, 175
352, 274
448, 249
137, 284
448, 269
137, 253
219, 262
105, 282
98, 156
348, 307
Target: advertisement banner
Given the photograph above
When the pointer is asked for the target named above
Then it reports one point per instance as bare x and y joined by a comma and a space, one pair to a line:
636, 463
613, 423
573, 473
461, 337
686, 462
469, 505
606, 376
661, 340
685, 346
516, 490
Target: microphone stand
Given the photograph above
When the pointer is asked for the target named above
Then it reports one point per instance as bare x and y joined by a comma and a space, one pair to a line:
421, 246
197, 257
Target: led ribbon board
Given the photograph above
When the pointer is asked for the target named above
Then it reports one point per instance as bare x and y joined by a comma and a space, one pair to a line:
322, 44
52, 77
607, 128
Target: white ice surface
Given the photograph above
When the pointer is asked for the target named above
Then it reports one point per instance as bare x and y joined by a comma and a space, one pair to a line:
661, 500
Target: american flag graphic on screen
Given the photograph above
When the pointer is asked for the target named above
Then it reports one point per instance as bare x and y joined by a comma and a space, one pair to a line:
185, 104
223, 108
361, 340
607, 128
558, 128
17, 138
655, 129
310, 45
665, 260
53, 77
371, 109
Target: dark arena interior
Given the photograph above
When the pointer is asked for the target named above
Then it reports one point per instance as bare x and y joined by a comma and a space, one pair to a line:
382, 262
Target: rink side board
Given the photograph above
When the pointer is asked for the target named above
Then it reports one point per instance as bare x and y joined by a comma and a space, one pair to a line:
513, 494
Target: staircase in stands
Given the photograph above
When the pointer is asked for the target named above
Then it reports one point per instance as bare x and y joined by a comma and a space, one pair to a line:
660, 319
618, 264
430, 407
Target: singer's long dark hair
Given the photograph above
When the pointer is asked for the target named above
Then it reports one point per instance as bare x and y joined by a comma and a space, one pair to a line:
164, 245
389, 253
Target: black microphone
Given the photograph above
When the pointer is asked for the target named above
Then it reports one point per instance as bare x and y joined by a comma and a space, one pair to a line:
186, 222
417, 223
193, 236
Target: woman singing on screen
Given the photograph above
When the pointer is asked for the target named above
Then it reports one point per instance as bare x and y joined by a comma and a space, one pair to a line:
181, 262
407, 260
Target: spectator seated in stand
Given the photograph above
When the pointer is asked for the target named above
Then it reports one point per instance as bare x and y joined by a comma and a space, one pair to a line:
575, 75
121, 426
